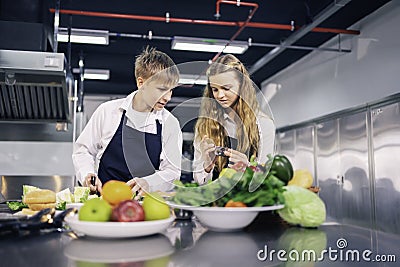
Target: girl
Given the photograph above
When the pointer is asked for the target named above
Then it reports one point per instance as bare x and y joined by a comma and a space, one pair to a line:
231, 126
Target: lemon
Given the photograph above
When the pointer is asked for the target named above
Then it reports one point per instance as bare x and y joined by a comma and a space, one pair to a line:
227, 172
154, 207
302, 178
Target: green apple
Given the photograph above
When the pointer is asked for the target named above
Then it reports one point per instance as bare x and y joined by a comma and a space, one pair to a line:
90, 264
95, 210
158, 262
155, 207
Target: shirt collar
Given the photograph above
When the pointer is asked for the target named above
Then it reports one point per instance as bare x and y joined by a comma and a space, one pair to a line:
227, 118
135, 116
127, 101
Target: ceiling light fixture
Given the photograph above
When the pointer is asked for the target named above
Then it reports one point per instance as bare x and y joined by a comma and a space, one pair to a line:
85, 36
208, 45
94, 74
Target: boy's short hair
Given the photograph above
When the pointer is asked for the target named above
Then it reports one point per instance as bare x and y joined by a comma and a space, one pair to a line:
151, 62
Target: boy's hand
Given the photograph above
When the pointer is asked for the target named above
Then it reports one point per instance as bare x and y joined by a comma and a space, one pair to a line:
139, 187
98, 185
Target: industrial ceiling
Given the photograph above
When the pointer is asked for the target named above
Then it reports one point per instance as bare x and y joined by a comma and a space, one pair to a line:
278, 32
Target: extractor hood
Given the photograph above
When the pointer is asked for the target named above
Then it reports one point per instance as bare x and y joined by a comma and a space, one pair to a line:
33, 86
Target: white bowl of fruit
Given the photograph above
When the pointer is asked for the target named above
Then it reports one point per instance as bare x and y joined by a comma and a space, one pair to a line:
117, 215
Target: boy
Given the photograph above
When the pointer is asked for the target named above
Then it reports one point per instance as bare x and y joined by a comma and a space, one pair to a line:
134, 139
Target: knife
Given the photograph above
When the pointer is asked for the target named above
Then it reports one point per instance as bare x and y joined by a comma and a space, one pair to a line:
93, 182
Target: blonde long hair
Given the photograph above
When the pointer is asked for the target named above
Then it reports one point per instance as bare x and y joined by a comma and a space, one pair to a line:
246, 108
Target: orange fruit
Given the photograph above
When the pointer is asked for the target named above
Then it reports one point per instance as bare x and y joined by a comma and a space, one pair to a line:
115, 192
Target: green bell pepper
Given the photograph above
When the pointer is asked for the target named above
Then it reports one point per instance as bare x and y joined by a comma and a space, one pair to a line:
282, 168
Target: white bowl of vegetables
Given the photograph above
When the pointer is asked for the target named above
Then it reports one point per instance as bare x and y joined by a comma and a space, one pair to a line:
231, 202
225, 219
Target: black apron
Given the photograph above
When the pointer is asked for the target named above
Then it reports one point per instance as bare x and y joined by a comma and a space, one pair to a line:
130, 153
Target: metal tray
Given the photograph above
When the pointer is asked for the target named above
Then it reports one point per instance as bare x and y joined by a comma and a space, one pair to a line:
6, 99
13, 101
20, 101
53, 98
59, 102
35, 108
47, 105
39, 90
28, 103
2, 110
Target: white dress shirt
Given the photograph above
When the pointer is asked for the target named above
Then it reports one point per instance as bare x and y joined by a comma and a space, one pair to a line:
97, 134
266, 129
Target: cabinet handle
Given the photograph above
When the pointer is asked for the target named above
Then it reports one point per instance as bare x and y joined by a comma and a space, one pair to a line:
339, 179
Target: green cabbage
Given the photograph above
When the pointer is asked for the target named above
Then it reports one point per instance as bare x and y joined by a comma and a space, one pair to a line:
302, 207
302, 240
81, 194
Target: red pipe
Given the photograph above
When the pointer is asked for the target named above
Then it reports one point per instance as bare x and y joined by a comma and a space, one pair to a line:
219, 2
241, 27
195, 21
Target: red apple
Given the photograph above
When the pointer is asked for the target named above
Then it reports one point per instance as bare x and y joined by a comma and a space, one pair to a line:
128, 211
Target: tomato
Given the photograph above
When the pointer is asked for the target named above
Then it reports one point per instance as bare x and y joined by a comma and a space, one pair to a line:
115, 192
235, 204
239, 166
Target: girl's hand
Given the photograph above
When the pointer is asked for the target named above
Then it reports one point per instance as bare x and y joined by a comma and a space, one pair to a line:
207, 149
235, 156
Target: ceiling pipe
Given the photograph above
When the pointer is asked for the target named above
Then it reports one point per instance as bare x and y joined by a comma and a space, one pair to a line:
169, 38
238, 3
298, 47
202, 22
322, 16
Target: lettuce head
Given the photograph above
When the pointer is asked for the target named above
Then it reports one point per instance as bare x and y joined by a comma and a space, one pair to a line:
302, 207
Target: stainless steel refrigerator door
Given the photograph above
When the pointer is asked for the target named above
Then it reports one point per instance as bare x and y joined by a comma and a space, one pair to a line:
386, 144
328, 166
304, 155
356, 188
286, 144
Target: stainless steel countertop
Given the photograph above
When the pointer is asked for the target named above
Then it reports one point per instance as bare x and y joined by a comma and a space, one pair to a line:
187, 243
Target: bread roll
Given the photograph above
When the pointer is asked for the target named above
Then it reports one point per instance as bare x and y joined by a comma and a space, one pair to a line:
41, 206
40, 196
